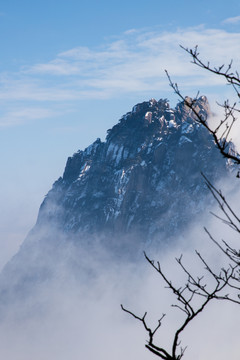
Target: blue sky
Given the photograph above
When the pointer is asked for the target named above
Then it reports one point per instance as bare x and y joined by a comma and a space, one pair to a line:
70, 69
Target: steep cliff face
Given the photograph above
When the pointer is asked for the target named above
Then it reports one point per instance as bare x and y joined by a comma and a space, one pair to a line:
143, 182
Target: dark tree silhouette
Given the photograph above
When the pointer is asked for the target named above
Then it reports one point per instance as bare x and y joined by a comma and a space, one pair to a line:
197, 292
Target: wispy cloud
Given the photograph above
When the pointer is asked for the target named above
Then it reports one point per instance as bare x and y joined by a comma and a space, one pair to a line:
232, 20
55, 67
134, 63
25, 114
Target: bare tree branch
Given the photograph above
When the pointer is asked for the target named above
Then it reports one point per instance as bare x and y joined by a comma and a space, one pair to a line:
221, 137
225, 71
185, 295
197, 291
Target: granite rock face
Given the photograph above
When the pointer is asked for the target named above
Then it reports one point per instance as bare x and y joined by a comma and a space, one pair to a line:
142, 183
137, 190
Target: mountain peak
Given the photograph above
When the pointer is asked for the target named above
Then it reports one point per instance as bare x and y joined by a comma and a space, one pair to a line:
142, 182
140, 187
157, 116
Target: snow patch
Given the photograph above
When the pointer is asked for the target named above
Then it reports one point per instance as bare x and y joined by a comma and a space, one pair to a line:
152, 102
187, 128
112, 150
183, 140
172, 124
134, 109
119, 155
148, 116
92, 148
149, 148
120, 187
85, 168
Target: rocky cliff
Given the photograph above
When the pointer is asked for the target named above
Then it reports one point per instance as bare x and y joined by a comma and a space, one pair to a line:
143, 182
139, 188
